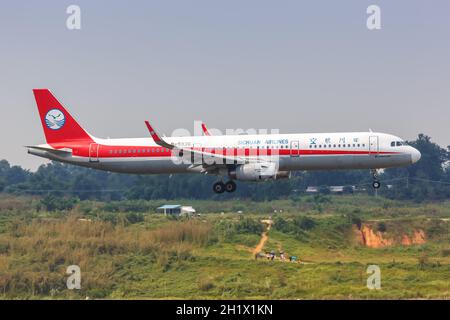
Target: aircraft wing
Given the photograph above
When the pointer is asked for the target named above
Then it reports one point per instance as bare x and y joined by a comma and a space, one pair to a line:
213, 158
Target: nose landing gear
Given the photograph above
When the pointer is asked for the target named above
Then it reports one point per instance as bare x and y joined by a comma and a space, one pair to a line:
376, 184
220, 187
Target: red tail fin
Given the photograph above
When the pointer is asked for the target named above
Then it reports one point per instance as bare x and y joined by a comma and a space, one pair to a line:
59, 126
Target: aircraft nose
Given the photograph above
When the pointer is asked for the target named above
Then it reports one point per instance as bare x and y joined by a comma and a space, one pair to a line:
415, 155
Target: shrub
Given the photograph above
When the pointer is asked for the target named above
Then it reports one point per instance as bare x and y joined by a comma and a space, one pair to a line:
53, 203
249, 225
304, 223
282, 225
381, 227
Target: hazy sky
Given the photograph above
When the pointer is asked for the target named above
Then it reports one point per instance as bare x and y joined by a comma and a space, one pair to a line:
300, 66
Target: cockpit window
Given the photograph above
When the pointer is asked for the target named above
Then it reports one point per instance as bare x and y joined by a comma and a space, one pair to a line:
398, 143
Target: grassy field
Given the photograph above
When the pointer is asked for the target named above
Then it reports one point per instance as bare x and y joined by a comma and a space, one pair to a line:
126, 251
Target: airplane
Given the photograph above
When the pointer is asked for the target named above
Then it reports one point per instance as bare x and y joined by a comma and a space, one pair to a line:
230, 157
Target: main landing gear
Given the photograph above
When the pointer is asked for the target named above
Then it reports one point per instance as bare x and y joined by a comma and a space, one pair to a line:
220, 187
376, 183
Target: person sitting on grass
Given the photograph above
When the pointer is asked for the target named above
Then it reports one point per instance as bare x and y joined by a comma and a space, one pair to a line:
272, 255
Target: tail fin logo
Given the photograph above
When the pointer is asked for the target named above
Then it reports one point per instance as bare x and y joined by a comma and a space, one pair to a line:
55, 119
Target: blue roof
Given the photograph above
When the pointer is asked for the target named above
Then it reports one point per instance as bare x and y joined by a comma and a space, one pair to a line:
170, 206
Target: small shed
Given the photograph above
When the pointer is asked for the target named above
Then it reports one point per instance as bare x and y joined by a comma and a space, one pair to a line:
170, 209
187, 210
312, 189
337, 189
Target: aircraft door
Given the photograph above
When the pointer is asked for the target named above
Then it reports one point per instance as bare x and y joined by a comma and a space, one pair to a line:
93, 152
373, 145
295, 146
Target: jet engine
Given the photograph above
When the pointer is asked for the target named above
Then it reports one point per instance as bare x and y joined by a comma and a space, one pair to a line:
259, 171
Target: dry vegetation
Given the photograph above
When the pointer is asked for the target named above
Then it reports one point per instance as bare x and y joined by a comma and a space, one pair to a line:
34, 255
124, 250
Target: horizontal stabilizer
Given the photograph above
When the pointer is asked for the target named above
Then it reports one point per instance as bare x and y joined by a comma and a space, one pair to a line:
57, 152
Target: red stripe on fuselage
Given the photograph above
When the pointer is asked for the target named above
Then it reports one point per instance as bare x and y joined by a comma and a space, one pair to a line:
106, 151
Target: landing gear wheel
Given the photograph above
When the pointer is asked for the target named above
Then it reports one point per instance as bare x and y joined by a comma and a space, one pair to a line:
230, 186
219, 187
376, 184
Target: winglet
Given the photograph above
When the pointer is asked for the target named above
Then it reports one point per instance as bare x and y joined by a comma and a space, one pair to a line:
205, 130
158, 140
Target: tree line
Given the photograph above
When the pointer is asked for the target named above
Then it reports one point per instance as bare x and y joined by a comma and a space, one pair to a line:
428, 179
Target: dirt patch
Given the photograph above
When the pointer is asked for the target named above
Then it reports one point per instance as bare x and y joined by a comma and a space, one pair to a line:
264, 237
375, 239
418, 237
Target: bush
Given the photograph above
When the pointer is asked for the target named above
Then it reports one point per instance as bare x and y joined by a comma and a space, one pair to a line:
282, 225
304, 223
249, 225
381, 227
226, 230
355, 220
52, 203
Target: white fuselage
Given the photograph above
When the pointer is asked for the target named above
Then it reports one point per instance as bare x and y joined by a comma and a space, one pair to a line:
312, 151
